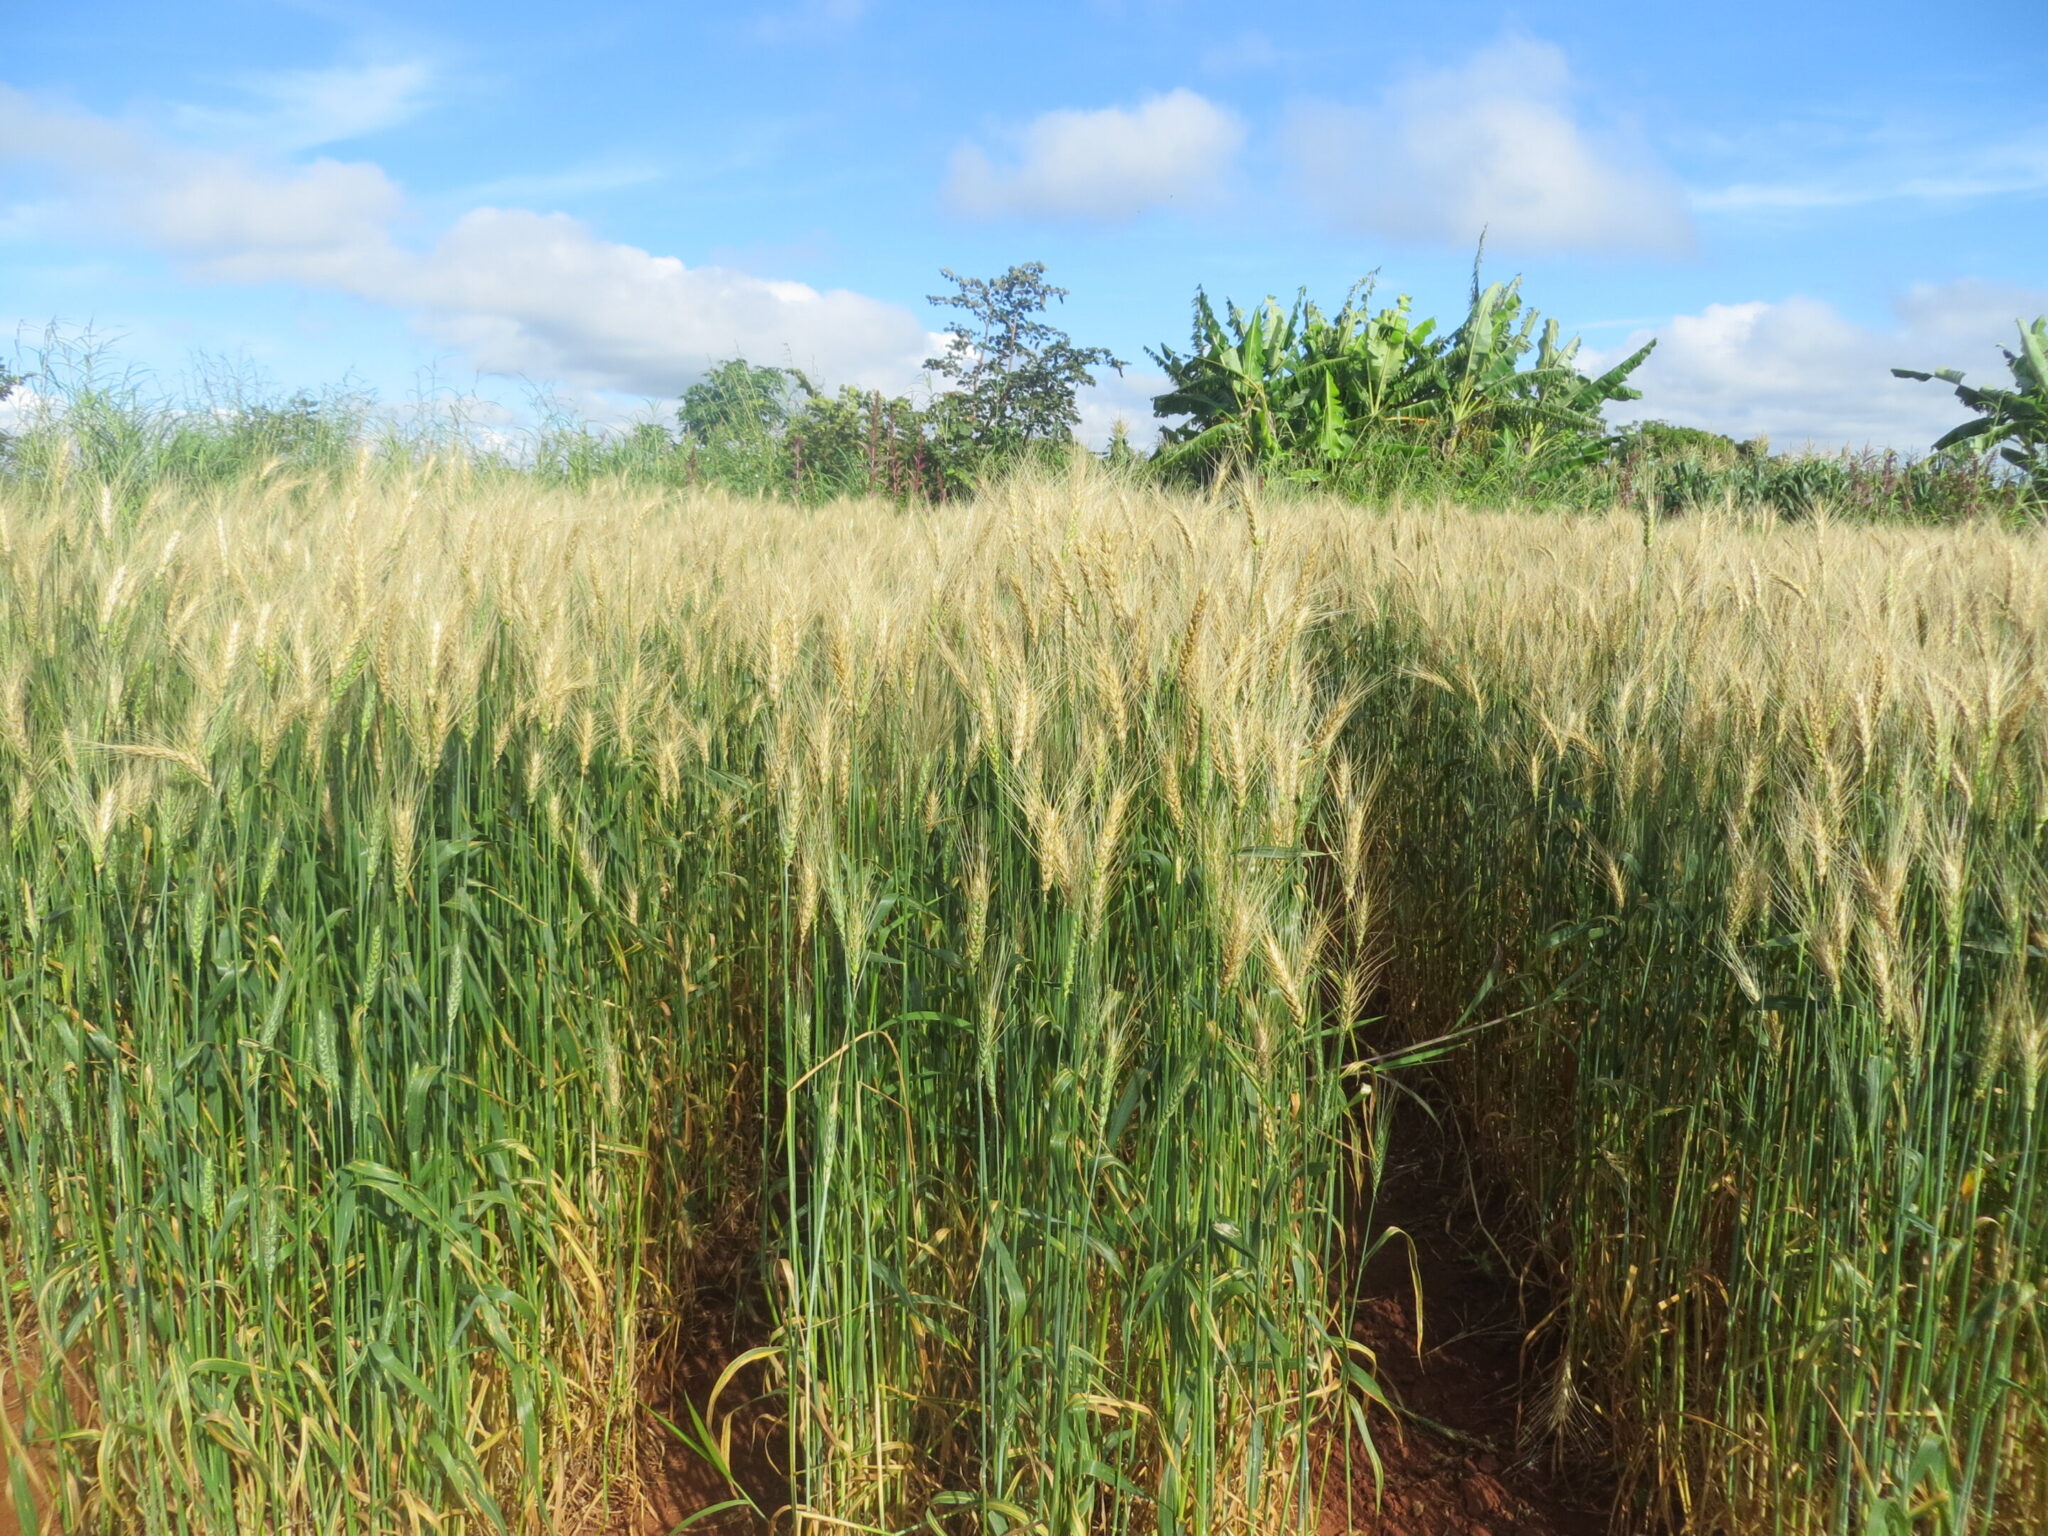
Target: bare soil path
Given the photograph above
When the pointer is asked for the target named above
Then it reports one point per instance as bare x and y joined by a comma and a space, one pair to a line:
1456, 1463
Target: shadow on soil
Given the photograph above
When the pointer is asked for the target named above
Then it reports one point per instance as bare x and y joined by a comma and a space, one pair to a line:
681, 1484
1464, 1456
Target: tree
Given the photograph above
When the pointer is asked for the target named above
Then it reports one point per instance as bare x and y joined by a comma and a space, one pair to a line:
860, 442
1015, 376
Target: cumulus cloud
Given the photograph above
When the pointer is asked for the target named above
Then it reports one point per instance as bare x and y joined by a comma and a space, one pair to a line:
521, 292
20, 408
1496, 143
1800, 372
213, 208
1105, 165
538, 294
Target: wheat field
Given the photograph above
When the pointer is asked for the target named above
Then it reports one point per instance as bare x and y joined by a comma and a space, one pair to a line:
460, 938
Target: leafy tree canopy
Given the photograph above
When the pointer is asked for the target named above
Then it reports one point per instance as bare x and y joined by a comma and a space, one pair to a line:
1014, 375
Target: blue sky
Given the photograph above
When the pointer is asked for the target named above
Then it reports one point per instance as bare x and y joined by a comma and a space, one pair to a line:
482, 199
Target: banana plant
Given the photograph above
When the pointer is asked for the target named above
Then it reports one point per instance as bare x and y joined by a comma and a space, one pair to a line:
2012, 421
1552, 404
1293, 391
1302, 393
1236, 383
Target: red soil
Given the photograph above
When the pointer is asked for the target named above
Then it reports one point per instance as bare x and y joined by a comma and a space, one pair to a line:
1453, 1457
680, 1482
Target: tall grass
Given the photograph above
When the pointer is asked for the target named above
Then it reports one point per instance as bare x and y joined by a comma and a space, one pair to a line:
445, 920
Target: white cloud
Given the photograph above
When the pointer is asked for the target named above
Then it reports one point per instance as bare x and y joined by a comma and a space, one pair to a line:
1911, 172
313, 224
21, 407
1800, 372
1493, 144
538, 294
1243, 54
520, 292
1105, 165
219, 209
296, 109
